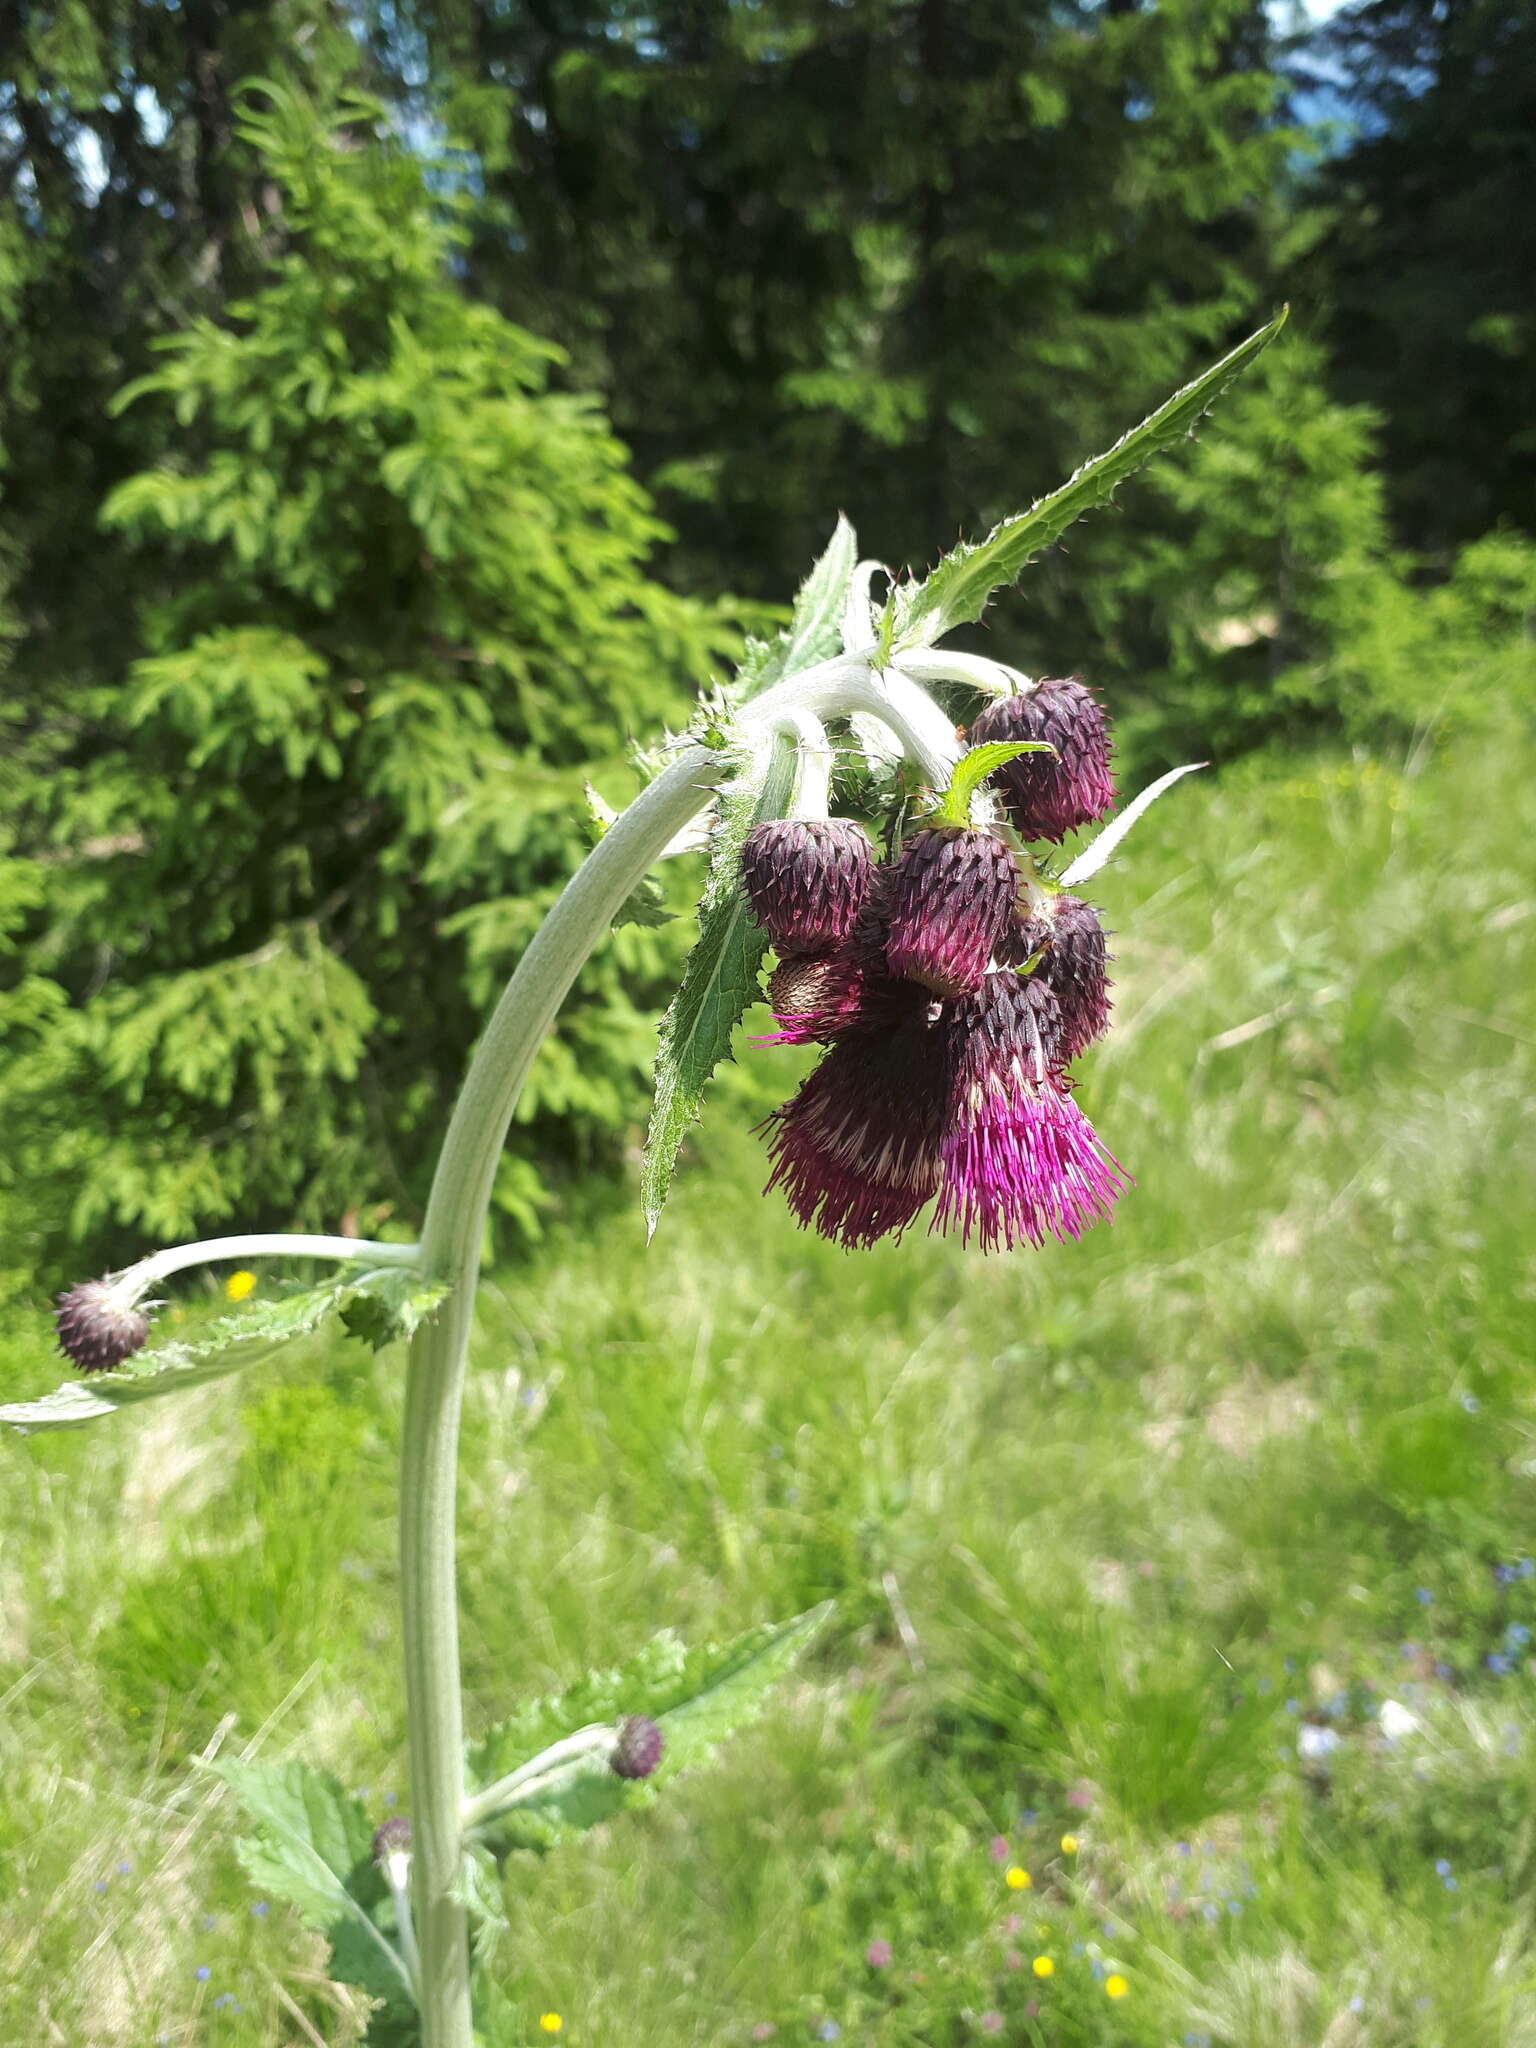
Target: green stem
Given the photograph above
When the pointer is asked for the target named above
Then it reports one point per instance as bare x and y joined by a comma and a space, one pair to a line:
451, 1241
450, 1251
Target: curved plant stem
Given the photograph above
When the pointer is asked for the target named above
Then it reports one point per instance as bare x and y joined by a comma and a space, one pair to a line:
450, 1251
451, 1241
209, 1251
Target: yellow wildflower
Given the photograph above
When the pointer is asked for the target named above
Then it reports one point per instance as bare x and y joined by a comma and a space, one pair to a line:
1017, 1880
1069, 1845
1044, 1967
1116, 1987
239, 1285
550, 2022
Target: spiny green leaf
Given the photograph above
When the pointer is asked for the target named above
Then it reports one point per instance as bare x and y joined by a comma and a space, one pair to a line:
815, 630
917, 614
972, 770
393, 1304
719, 980
377, 1305
698, 1697
313, 1849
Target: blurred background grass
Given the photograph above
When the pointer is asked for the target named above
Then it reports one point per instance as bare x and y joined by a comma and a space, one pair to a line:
1105, 1525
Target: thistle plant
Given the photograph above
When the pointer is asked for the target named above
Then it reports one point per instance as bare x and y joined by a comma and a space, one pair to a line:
950, 978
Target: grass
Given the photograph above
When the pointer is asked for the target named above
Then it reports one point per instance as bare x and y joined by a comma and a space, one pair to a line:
1104, 1525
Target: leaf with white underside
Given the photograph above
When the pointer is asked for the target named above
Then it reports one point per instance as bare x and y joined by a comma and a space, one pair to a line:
972, 770
1096, 856
720, 978
697, 1697
377, 1305
955, 594
313, 1849
815, 629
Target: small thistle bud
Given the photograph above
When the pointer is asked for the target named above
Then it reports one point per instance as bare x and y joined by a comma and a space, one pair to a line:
1067, 932
806, 879
392, 1838
1049, 795
638, 1749
952, 894
392, 1850
97, 1328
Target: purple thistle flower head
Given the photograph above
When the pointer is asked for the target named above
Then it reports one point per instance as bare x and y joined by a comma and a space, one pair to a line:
952, 894
97, 1329
1049, 795
1067, 933
1019, 1159
856, 1149
806, 879
638, 1749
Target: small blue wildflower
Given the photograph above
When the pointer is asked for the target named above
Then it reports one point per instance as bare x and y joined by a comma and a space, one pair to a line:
261, 1909
1471, 1403
100, 1885
1185, 1849
1407, 1649
209, 1923
1234, 1907
224, 1998
1290, 1666
391, 1798
1517, 1635
1357, 2003
123, 1869
1450, 1884
829, 2030
1424, 1597
1078, 1947
1028, 1817
1293, 1706
1442, 1866
1445, 1672
1265, 1687
1337, 1707
1498, 1664
1526, 1568
202, 1973
1506, 1574
1211, 1913
1097, 1967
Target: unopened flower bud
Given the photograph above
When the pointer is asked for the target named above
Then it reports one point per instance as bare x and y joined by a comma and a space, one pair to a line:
638, 1749
806, 879
952, 894
392, 1850
1049, 795
97, 1327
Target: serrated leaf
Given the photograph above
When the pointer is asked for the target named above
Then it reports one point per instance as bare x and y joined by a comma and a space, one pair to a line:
972, 770
391, 1296
313, 1850
646, 905
719, 979
697, 1697
815, 630
917, 614
392, 1306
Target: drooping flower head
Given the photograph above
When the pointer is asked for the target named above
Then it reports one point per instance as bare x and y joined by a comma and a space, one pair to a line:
856, 1149
952, 893
98, 1327
1049, 795
1019, 1160
806, 879
1067, 935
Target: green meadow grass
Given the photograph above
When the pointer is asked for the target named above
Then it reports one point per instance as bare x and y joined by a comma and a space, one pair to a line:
1103, 1524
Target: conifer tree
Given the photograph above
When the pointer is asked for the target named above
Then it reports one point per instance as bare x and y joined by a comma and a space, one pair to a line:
387, 583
